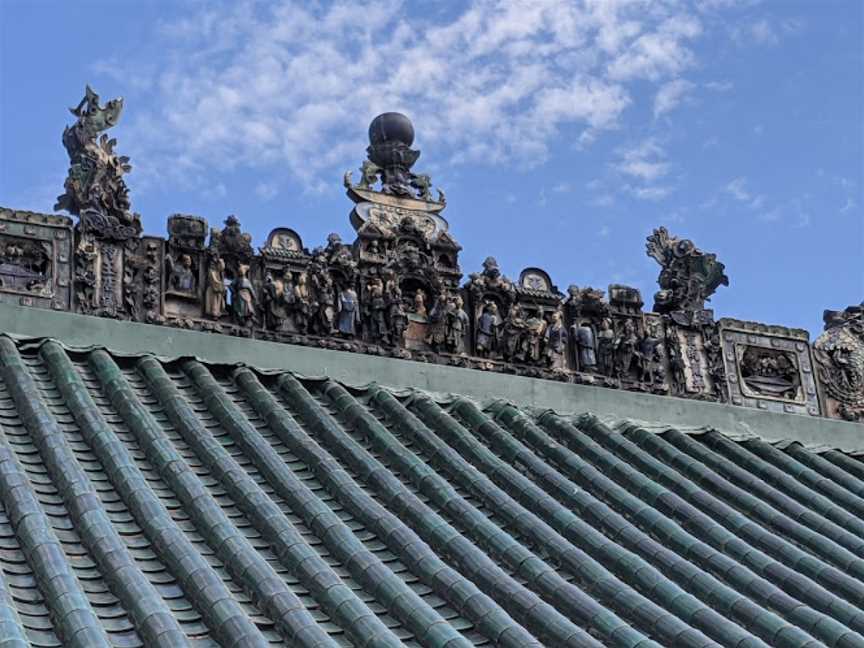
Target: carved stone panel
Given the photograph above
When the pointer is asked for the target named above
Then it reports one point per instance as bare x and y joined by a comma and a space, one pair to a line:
769, 367
35, 259
689, 363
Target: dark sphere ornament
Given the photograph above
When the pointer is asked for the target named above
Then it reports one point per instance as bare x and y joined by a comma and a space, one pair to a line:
389, 127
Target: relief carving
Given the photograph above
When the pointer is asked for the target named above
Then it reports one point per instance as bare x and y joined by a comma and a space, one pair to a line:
839, 354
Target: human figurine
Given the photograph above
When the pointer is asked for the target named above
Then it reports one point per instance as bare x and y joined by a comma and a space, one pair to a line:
626, 348
606, 347
349, 312
302, 303
377, 313
396, 313
488, 326
243, 297
181, 276
648, 355
535, 329
676, 364
323, 307
556, 343
457, 325
214, 293
288, 297
420, 303
436, 334
514, 334
584, 336
272, 298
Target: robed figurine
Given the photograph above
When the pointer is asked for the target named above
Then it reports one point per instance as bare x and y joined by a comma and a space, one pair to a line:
349, 312
243, 297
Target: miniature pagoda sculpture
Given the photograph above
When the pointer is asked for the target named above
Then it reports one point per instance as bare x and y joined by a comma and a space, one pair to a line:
839, 354
688, 277
95, 190
402, 192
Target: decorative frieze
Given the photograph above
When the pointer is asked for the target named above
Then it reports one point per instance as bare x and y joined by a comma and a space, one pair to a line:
397, 290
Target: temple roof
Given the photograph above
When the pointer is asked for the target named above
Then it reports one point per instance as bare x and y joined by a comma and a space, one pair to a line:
250, 493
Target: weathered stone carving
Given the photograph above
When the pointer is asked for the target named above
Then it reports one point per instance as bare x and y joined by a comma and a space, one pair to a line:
457, 325
839, 355
277, 299
626, 349
713, 349
769, 372
556, 343
349, 312
606, 347
303, 303
583, 336
243, 297
688, 277
391, 158
182, 276
486, 341
377, 326
650, 369
95, 190
232, 245
769, 367
35, 259
214, 294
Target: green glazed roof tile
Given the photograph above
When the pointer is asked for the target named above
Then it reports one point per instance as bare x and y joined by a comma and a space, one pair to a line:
159, 503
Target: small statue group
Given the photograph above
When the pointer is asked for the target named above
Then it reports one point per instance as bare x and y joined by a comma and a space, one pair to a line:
278, 299
623, 354
448, 324
521, 337
385, 318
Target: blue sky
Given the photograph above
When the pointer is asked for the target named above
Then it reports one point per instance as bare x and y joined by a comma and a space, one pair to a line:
562, 132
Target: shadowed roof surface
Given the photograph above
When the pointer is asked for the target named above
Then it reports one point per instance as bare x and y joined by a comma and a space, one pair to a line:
148, 502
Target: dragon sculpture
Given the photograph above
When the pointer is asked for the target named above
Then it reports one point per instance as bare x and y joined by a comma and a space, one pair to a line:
688, 276
95, 190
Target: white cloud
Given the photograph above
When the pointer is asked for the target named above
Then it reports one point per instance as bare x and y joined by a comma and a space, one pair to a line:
670, 95
290, 86
646, 165
645, 161
603, 200
266, 190
736, 189
758, 32
654, 194
720, 86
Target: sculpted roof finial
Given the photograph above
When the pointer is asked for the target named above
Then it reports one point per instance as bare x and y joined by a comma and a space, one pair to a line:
95, 190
